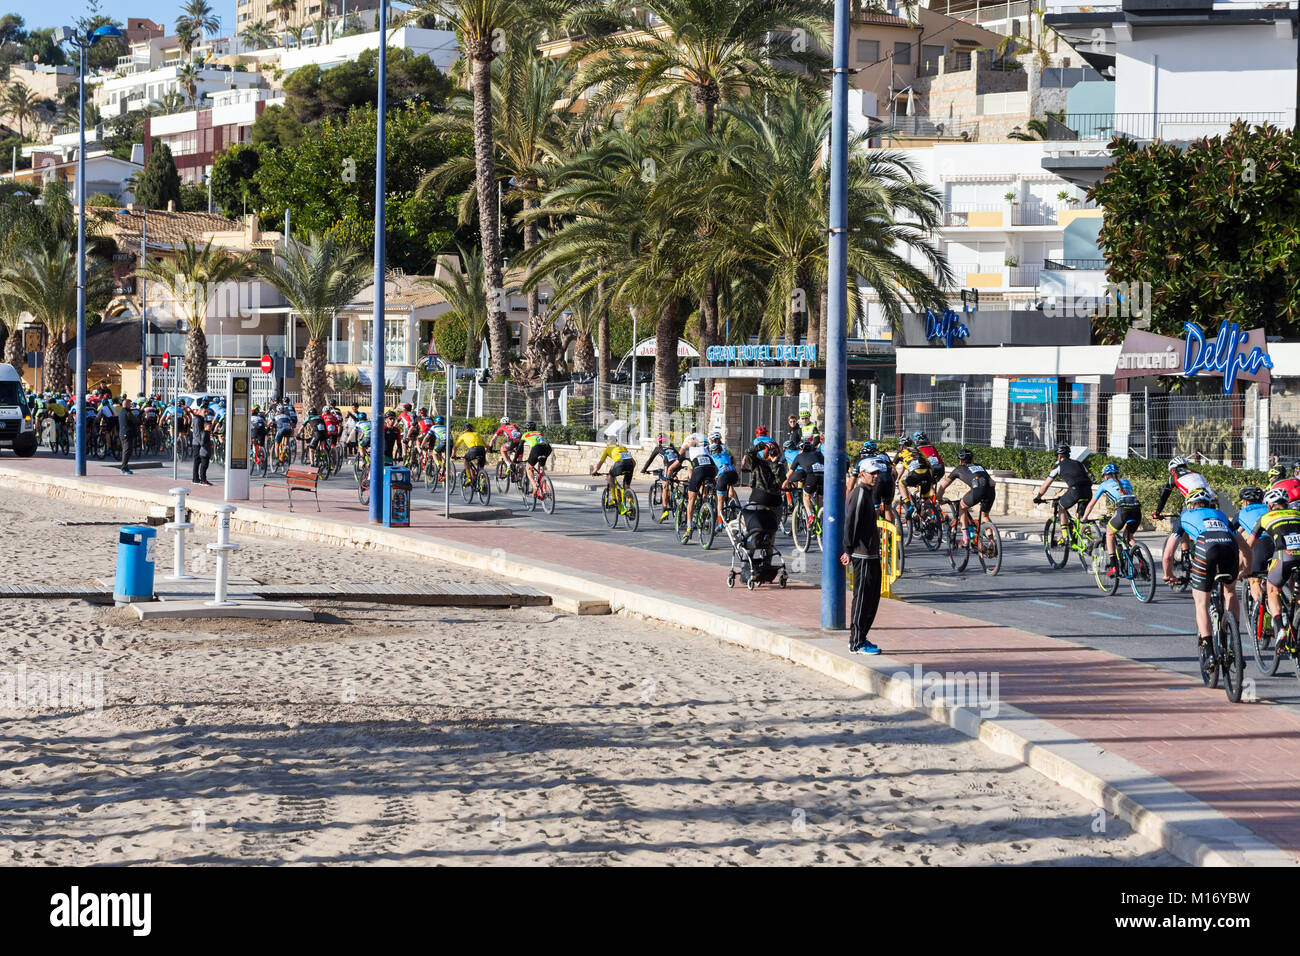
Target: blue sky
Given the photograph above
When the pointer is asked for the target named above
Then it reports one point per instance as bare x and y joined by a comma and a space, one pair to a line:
53, 13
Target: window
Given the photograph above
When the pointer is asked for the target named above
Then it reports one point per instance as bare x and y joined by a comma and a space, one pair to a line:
868, 51
902, 53
395, 345
930, 55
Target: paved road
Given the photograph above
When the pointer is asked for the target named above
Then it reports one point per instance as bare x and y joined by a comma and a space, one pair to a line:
1028, 594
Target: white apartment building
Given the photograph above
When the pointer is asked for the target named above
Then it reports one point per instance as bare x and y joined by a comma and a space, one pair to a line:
151, 70
197, 137
438, 45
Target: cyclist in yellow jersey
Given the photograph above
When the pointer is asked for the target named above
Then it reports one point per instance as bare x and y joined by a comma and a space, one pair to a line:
474, 445
538, 450
623, 464
1277, 534
913, 470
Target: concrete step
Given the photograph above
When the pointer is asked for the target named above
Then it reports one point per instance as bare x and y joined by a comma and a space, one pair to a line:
256, 609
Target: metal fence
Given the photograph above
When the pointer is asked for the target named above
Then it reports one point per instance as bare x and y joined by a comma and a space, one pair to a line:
1223, 429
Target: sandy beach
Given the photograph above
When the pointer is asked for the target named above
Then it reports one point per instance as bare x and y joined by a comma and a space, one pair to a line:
379, 735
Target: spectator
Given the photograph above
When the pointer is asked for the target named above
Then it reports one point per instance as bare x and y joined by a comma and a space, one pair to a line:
125, 432
862, 543
203, 453
196, 444
761, 461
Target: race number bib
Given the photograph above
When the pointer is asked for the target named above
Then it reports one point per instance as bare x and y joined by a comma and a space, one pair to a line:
818, 467
625, 456
976, 469
934, 461
1293, 541
1214, 524
914, 466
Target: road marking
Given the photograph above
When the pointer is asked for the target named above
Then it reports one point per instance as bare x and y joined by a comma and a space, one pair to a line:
1165, 627
946, 584
1113, 617
1048, 603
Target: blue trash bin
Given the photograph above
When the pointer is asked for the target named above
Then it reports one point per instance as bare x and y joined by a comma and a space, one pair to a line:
134, 580
397, 497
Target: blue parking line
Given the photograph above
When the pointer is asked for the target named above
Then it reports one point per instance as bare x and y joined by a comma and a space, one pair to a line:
1048, 603
1165, 627
1113, 617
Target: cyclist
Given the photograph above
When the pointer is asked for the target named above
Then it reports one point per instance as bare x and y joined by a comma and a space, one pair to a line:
808, 470
362, 432
1127, 509
667, 451
511, 440
702, 469
1246, 523
789, 452
333, 423
807, 427
312, 431
1278, 478
283, 426
883, 490
1216, 550
437, 434
1078, 483
1278, 532
257, 426
728, 476
1182, 477
982, 490
475, 455
538, 450
623, 465
922, 443
912, 470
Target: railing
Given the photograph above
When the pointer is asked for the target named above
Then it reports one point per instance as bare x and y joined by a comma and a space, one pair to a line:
1020, 214
1024, 276
922, 126
1103, 126
1064, 264
222, 346
339, 353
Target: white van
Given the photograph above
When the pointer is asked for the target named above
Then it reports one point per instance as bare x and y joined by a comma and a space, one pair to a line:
17, 429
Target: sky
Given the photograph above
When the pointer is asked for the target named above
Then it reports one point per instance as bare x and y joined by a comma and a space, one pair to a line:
53, 13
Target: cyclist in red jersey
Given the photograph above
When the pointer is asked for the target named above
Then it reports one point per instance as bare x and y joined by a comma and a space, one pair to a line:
1280, 479
512, 440
921, 442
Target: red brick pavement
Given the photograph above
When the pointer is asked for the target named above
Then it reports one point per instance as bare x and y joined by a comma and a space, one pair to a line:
1242, 759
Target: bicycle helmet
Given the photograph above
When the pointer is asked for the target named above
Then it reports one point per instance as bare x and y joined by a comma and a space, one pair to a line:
760, 431
406, 406
361, 416
716, 436
1178, 461
1274, 498
965, 456
438, 419
257, 408
1251, 495
1205, 497
1276, 473
1062, 450
869, 447
505, 419
1110, 469
311, 411
920, 438
792, 444
806, 446
904, 442
530, 426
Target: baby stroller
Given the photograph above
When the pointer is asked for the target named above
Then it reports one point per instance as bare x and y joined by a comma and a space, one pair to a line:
752, 533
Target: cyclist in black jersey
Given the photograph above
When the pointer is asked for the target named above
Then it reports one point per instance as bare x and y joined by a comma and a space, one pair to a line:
1078, 491
982, 490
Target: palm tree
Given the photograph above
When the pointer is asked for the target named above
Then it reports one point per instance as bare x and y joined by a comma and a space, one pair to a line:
257, 35
464, 295
22, 104
11, 314
530, 99
481, 26
186, 36
317, 279
199, 16
188, 77
192, 280
285, 10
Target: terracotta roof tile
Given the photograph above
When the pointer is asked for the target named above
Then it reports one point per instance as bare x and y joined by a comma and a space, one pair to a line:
163, 226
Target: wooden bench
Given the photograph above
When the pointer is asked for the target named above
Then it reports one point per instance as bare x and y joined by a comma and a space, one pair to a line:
298, 478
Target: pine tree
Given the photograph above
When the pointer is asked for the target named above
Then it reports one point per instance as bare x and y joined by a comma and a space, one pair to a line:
159, 182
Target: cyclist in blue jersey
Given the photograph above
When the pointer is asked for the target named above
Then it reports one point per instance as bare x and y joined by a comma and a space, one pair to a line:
1216, 549
728, 476
702, 469
1127, 514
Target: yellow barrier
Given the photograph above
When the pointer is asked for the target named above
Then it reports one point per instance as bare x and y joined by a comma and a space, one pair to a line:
891, 558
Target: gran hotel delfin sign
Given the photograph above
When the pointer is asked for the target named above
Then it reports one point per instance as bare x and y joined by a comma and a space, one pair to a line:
1232, 354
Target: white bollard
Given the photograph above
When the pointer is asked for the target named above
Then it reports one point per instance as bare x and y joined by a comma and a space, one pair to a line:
222, 547
179, 525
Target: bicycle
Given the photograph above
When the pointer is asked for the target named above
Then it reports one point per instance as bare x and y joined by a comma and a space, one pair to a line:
441, 470
321, 459
1257, 619
661, 496
1062, 537
1222, 656
257, 458
1182, 562
538, 489
507, 473
618, 501
805, 525
1133, 563
982, 538
474, 479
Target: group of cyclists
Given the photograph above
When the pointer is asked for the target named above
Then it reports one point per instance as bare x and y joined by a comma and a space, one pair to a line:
151, 433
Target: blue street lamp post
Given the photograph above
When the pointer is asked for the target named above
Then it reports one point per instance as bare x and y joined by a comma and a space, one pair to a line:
83, 43
377, 326
836, 329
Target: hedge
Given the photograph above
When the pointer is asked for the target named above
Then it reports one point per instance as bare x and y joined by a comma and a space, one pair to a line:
555, 434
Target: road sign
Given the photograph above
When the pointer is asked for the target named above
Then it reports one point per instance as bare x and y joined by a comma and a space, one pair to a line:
32, 340
717, 399
167, 360
267, 364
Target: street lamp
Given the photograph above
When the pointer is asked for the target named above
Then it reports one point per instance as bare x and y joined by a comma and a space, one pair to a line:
83, 42
377, 324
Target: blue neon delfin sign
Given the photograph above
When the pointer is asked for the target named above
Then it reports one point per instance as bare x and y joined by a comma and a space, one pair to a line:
949, 328
1223, 355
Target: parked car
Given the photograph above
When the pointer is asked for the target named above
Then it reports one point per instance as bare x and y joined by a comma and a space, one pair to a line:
17, 426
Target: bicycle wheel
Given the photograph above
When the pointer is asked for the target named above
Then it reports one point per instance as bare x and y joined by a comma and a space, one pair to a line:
503, 477
931, 526
988, 546
1233, 662
631, 510
1056, 543
548, 495
658, 507
1088, 545
706, 521
609, 507
906, 525
958, 554
363, 490
431, 477
799, 527
1183, 570
484, 487
1143, 571
1108, 582
467, 485
1257, 623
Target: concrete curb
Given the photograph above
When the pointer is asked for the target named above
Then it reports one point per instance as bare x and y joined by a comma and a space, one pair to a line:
1174, 820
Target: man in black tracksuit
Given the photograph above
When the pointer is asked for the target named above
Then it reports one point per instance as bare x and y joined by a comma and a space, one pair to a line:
125, 431
862, 546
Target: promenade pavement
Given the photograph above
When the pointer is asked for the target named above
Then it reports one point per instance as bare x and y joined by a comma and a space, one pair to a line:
1175, 738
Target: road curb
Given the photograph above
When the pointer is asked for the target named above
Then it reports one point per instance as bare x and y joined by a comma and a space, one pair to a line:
1169, 817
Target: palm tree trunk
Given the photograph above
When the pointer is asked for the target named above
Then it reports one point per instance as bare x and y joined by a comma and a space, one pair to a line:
57, 374
471, 349
584, 353
14, 350
531, 235
313, 373
488, 220
666, 333
602, 335
709, 336
196, 359
791, 385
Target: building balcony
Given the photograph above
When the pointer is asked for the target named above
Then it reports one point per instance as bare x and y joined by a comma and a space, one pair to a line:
920, 127
1005, 215
1167, 126
1070, 265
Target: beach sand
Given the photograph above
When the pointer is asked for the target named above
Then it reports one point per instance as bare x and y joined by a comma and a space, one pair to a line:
463, 736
